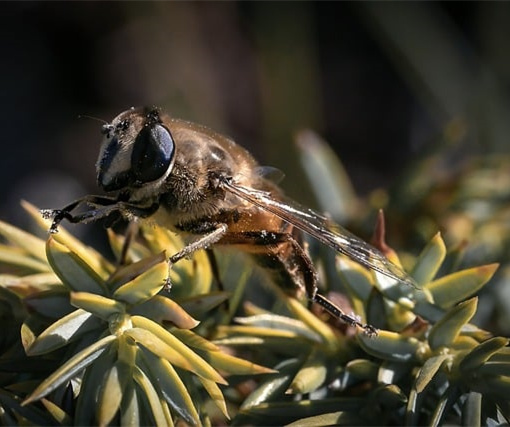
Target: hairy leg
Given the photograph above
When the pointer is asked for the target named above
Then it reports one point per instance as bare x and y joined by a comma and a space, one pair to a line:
202, 242
101, 207
306, 267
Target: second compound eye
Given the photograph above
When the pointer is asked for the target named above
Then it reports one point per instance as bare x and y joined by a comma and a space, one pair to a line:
152, 154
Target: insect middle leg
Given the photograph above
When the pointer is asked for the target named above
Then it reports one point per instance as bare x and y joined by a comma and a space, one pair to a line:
201, 243
215, 269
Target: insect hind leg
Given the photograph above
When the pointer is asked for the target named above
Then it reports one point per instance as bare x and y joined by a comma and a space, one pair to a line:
334, 310
310, 279
290, 255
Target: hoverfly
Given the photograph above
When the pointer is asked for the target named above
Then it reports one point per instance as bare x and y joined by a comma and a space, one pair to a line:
193, 180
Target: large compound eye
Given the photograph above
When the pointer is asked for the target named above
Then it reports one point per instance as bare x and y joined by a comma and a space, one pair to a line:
153, 152
109, 160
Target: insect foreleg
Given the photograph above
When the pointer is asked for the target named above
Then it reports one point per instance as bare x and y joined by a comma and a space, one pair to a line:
103, 206
65, 213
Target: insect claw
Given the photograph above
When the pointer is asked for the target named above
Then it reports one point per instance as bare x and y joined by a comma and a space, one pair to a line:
56, 214
369, 330
168, 284
339, 314
48, 213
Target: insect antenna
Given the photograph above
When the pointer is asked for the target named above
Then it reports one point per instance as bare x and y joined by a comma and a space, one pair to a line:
97, 119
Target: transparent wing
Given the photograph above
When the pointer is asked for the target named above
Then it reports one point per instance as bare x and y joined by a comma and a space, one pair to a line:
270, 173
324, 230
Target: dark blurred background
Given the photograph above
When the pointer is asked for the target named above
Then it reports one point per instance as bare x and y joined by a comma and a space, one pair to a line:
378, 81
412, 96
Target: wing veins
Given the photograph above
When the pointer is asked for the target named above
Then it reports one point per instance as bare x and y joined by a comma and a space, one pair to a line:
324, 230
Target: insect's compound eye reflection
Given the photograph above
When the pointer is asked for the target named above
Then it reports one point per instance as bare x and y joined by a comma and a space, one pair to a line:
153, 152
